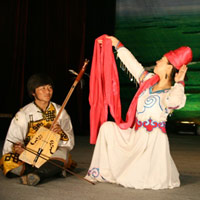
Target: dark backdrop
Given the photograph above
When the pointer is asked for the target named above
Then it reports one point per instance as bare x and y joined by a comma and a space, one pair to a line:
52, 37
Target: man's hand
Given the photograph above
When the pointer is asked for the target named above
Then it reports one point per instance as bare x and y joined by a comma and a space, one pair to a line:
18, 148
56, 128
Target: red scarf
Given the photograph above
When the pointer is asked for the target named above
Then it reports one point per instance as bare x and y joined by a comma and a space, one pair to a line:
105, 90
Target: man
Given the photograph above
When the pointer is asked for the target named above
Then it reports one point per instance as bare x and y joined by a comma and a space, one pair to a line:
40, 112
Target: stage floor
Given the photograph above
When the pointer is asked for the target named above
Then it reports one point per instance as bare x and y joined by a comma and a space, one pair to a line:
185, 150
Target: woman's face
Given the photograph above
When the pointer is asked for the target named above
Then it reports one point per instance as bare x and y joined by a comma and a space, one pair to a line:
162, 66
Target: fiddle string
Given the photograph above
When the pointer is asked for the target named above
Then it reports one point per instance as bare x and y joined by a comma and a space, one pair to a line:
40, 150
53, 163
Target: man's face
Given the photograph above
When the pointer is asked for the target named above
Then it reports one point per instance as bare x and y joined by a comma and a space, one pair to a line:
43, 93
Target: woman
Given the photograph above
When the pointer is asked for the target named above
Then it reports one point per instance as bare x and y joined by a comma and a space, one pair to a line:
139, 156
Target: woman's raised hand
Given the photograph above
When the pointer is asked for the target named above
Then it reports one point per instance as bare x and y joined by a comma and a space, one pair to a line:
114, 40
180, 75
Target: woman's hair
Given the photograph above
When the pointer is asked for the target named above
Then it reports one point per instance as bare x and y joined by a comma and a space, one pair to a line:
173, 72
37, 80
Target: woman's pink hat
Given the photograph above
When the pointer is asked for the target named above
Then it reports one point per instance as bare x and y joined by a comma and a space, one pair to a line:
179, 57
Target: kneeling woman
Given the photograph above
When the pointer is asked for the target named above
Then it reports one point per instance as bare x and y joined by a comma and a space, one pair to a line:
139, 156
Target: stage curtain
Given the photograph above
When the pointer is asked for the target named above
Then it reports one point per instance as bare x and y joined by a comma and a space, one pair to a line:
51, 37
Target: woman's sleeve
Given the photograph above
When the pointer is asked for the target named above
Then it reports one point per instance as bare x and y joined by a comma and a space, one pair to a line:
133, 66
176, 98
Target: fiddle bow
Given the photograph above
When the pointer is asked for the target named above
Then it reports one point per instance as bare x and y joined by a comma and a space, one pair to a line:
45, 141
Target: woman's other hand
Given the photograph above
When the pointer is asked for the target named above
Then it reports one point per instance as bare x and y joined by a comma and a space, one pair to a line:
181, 74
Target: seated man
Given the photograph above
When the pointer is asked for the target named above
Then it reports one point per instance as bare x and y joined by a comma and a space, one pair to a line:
40, 112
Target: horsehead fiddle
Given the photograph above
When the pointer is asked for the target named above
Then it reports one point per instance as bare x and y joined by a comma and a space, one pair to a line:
44, 143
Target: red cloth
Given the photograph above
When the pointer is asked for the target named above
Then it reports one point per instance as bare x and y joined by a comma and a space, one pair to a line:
104, 86
105, 90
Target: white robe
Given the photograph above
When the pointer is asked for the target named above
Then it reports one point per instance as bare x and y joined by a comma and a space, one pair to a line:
139, 158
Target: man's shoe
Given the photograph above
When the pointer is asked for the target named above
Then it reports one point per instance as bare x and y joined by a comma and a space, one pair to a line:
30, 179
